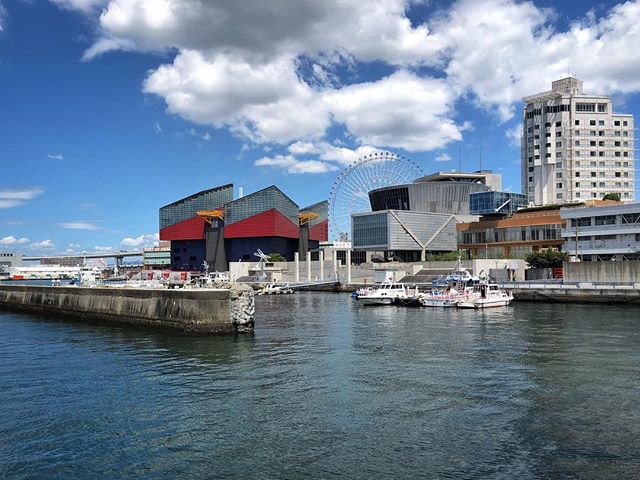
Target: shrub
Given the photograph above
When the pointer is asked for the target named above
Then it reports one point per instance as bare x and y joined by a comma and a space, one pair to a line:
612, 196
275, 257
548, 258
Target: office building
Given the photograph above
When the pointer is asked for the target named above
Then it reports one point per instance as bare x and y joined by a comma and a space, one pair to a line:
602, 233
574, 147
512, 237
9, 260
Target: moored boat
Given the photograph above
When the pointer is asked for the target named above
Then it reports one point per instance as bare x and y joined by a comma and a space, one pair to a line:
275, 289
487, 295
385, 294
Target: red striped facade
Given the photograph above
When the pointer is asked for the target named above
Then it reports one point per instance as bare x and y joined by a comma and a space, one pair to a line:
189, 229
270, 223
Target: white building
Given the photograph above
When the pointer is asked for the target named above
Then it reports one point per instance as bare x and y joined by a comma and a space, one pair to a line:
609, 232
574, 148
9, 260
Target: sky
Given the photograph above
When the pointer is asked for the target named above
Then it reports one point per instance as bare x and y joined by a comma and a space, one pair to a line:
110, 109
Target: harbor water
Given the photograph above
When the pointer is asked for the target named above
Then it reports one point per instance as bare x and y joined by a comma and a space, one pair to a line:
327, 388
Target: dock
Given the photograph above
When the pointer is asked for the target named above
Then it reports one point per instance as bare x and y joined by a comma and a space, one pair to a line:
575, 292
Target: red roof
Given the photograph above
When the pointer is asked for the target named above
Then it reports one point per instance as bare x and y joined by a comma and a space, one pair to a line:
270, 223
189, 229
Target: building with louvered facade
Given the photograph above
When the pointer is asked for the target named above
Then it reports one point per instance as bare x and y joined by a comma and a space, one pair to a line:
407, 221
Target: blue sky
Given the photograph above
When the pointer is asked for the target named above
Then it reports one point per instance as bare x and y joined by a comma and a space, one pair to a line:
113, 108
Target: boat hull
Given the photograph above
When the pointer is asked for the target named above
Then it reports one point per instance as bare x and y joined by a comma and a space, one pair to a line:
373, 300
442, 303
480, 304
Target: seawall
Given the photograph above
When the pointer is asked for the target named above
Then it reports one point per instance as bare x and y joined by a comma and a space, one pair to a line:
583, 294
198, 311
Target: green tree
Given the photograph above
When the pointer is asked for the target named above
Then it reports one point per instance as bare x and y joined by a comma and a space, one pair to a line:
612, 196
275, 257
548, 258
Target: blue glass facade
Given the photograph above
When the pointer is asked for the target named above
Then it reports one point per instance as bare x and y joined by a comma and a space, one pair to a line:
496, 203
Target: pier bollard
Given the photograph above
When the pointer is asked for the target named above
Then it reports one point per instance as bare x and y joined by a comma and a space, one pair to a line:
309, 267
321, 258
296, 260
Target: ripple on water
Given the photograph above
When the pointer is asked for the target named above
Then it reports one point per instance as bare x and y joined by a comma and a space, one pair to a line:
327, 388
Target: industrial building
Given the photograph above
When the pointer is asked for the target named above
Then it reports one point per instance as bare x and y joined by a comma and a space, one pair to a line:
213, 227
407, 221
607, 232
574, 148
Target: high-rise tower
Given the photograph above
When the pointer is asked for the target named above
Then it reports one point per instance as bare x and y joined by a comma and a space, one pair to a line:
574, 148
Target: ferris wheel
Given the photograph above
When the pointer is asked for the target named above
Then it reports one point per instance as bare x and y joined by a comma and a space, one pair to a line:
350, 191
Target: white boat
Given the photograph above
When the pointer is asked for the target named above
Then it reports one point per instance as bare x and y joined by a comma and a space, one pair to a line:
447, 298
385, 294
361, 292
275, 289
486, 295
211, 280
444, 301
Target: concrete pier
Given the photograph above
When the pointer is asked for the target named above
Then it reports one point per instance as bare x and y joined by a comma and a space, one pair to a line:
584, 292
198, 311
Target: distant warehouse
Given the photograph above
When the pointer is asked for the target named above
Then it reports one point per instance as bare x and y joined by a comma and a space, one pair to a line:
213, 227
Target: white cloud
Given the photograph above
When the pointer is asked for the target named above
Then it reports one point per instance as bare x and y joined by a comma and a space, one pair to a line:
57, 156
103, 249
79, 225
157, 128
331, 153
86, 206
502, 50
11, 240
401, 110
271, 29
43, 245
290, 164
15, 198
82, 5
3, 16
513, 135
269, 71
149, 240
260, 101
443, 157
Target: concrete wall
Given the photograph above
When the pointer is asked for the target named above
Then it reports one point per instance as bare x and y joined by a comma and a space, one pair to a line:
192, 311
584, 294
606, 272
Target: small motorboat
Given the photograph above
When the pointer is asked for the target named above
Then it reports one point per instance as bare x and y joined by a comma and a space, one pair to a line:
275, 289
361, 292
486, 295
385, 294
